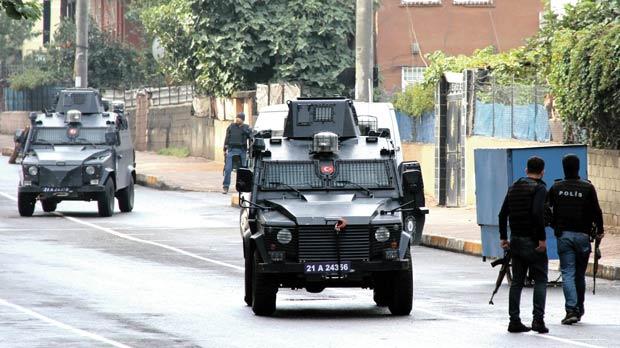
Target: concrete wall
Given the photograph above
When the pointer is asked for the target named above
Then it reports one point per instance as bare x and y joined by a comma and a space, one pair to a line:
13, 120
604, 172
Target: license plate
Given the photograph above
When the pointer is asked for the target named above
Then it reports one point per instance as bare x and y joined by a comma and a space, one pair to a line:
56, 189
331, 267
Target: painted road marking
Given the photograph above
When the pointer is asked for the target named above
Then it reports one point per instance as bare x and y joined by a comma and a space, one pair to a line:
64, 326
171, 248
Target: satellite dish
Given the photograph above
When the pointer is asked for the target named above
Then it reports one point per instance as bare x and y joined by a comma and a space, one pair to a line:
157, 49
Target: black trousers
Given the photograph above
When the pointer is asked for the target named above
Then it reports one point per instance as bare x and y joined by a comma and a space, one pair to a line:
524, 257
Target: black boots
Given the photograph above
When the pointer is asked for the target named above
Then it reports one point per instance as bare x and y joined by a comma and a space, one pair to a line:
571, 318
517, 326
538, 325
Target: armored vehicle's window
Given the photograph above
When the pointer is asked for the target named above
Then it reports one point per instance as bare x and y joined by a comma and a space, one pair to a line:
303, 115
366, 173
299, 174
324, 113
59, 135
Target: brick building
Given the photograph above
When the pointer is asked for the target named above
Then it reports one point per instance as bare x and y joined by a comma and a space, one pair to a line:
406, 30
108, 15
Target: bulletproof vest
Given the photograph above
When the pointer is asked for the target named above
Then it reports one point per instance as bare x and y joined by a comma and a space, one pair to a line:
570, 210
520, 199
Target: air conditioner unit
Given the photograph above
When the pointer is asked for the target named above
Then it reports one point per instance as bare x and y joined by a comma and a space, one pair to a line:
415, 48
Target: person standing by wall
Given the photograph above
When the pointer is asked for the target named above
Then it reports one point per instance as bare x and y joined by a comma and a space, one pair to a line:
575, 208
235, 144
524, 207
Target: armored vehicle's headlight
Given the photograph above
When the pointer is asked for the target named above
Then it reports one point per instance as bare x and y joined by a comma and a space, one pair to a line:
284, 236
382, 234
90, 170
33, 170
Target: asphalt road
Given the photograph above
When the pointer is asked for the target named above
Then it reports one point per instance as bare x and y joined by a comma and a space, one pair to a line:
170, 274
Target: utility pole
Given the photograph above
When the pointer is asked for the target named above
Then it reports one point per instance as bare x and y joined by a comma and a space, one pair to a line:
81, 47
363, 50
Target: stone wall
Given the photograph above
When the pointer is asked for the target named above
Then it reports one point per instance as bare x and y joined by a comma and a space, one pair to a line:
13, 120
604, 172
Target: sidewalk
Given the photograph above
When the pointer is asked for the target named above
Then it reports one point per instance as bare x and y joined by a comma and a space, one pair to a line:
453, 229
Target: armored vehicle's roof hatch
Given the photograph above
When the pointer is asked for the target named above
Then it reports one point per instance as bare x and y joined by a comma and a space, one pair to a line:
307, 117
85, 100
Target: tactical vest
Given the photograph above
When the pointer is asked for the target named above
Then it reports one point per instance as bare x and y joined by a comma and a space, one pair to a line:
570, 210
520, 199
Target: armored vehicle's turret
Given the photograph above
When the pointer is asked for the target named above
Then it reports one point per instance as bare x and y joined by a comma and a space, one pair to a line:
308, 117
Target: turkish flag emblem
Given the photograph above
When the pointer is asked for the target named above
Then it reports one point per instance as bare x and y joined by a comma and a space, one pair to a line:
328, 169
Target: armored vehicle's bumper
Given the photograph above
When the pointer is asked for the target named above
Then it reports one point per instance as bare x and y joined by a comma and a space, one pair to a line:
356, 266
85, 192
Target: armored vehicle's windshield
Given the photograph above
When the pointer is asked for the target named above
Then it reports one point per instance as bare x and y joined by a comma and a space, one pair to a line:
86, 101
304, 175
69, 136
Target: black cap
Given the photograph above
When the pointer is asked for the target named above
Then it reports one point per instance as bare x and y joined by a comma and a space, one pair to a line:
570, 163
241, 115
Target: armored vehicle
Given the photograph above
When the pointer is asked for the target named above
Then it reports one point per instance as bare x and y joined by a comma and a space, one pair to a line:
77, 151
324, 206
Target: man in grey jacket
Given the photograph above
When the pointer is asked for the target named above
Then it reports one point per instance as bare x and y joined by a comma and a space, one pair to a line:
235, 144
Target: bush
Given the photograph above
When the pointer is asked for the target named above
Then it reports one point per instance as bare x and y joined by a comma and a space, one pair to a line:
415, 100
31, 78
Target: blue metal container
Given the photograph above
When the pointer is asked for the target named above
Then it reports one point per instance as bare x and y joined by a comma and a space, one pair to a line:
497, 169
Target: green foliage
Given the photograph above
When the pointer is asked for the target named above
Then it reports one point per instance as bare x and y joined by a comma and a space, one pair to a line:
231, 45
415, 100
13, 33
18, 10
31, 78
174, 151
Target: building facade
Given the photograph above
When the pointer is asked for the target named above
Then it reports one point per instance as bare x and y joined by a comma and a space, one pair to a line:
406, 30
108, 15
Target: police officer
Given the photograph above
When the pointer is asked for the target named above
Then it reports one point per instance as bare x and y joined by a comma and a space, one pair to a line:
575, 208
524, 207
235, 144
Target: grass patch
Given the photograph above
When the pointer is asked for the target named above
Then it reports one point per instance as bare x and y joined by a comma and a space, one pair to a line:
174, 151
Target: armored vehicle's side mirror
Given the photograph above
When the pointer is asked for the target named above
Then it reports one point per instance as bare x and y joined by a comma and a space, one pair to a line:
17, 138
112, 138
413, 186
245, 178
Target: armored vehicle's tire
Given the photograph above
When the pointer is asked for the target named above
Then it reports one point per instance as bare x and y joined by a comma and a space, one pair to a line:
381, 293
263, 291
49, 205
125, 198
105, 203
249, 269
25, 204
402, 291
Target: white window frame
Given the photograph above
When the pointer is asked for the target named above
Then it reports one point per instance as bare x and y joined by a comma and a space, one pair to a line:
420, 2
472, 2
410, 75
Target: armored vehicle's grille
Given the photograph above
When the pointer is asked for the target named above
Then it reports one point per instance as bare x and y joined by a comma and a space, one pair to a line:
60, 176
298, 174
369, 173
318, 243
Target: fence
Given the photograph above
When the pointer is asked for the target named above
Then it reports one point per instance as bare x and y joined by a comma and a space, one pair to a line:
511, 111
159, 96
29, 100
419, 129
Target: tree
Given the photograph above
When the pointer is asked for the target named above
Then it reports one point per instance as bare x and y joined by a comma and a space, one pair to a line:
225, 46
17, 9
13, 33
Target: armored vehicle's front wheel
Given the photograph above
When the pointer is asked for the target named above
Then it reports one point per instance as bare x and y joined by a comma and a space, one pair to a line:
49, 205
125, 197
381, 292
25, 204
105, 203
402, 292
263, 291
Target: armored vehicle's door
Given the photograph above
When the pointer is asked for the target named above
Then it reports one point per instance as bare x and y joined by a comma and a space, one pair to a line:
124, 153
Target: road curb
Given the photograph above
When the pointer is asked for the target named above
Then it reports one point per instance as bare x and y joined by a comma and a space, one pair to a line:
7, 151
158, 183
475, 248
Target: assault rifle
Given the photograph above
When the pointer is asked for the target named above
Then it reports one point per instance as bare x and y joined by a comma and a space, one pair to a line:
503, 271
597, 256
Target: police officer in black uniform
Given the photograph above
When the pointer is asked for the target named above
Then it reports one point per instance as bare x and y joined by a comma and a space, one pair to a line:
575, 208
524, 207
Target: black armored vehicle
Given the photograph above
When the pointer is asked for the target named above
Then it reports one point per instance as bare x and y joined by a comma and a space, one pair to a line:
77, 151
323, 206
